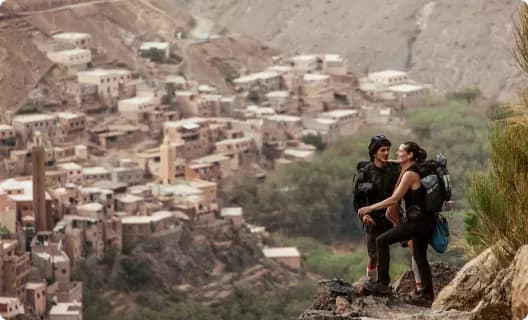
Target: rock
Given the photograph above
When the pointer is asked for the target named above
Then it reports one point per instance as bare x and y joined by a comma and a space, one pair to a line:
442, 274
496, 302
519, 292
343, 306
338, 299
468, 287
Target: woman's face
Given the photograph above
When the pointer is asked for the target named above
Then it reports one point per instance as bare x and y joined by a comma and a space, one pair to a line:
402, 155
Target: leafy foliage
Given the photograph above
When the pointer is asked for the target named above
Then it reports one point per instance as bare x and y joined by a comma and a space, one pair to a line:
498, 195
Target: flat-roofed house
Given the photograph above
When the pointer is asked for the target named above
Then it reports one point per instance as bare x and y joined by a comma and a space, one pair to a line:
143, 227
73, 172
261, 82
233, 214
66, 311
74, 59
11, 308
348, 121
48, 125
134, 109
74, 40
288, 256
408, 95
304, 62
389, 77
335, 64
74, 124
108, 81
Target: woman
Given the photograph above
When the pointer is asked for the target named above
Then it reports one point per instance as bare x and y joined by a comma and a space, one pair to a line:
417, 227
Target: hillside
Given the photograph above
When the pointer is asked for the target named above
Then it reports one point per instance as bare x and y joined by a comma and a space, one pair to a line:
117, 28
450, 44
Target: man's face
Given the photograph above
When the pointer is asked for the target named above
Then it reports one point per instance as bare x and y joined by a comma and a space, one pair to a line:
382, 154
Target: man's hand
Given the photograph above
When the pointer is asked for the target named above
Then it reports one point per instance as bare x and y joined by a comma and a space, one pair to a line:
368, 221
364, 211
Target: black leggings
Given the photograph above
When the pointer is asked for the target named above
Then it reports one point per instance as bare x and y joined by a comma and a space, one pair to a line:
419, 232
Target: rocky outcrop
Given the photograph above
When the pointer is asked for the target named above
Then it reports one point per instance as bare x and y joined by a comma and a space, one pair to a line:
340, 300
488, 291
467, 289
520, 285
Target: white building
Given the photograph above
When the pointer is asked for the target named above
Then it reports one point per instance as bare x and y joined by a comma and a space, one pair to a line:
409, 94
234, 214
74, 39
107, 80
26, 125
66, 311
128, 172
94, 174
74, 58
279, 100
335, 64
289, 256
73, 172
305, 62
313, 84
388, 77
134, 108
348, 121
262, 81
10, 307
6, 132
290, 76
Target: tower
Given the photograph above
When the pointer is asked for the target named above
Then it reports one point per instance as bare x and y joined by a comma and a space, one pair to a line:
38, 155
167, 171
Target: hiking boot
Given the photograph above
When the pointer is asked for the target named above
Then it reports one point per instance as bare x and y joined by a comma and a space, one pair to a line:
377, 288
420, 298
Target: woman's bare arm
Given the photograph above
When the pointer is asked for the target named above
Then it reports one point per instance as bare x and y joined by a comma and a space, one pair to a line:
406, 182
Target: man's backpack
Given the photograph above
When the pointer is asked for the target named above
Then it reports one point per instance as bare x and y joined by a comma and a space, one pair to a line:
435, 179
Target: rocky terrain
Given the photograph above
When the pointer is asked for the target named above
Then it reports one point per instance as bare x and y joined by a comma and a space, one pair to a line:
483, 289
450, 44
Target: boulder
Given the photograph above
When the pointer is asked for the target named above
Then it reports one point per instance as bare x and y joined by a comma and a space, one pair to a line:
496, 301
519, 292
467, 289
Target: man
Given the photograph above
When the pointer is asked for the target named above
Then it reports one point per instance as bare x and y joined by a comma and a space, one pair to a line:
375, 182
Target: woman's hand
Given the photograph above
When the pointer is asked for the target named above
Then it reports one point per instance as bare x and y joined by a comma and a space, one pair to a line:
363, 211
368, 221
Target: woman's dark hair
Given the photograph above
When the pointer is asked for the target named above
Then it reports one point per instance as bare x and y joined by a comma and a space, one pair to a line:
419, 154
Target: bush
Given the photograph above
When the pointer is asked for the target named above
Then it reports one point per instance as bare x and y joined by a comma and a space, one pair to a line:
315, 140
135, 272
154, 55
498, 195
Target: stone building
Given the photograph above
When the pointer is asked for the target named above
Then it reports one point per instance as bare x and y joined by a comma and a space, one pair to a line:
73, 40
108, 81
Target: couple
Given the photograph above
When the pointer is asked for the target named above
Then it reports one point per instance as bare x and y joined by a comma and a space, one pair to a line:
381, 189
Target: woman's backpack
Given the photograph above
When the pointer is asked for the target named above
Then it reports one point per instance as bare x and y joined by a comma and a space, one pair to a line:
435, 179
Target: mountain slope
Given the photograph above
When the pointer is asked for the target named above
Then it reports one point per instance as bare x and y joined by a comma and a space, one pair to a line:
447, 43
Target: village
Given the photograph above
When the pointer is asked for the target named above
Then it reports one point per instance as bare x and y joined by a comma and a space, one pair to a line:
126, 158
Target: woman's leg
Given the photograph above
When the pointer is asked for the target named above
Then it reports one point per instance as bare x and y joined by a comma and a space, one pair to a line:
420, 256
401, 232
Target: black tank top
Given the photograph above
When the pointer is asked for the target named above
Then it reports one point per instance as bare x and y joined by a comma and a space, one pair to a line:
415, 197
